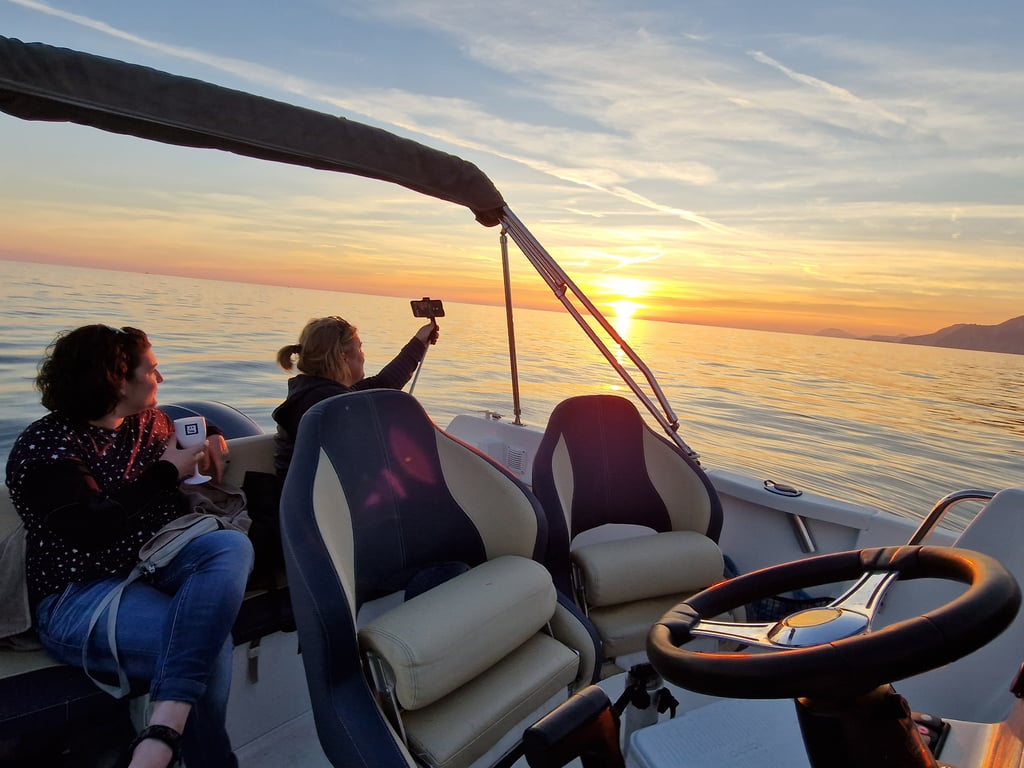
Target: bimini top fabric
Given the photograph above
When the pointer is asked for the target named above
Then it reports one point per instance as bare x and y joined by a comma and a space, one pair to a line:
41, 82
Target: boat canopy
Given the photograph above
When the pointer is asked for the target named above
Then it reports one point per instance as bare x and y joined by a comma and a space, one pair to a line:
43, 82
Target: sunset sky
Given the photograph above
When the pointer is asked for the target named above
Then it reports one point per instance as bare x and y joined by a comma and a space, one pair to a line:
789, 166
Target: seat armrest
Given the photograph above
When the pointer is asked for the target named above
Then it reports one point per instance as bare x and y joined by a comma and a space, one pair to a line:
647, 566
570, 627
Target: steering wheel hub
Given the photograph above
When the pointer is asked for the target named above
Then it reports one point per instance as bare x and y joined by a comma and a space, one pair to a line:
815, 626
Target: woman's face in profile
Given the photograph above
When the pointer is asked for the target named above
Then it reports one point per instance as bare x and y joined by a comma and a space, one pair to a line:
141, 386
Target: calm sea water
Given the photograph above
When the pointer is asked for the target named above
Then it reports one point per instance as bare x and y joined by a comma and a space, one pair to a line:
887, 425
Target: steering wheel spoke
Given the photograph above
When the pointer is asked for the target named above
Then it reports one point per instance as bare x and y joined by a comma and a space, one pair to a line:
754, 633
866, 596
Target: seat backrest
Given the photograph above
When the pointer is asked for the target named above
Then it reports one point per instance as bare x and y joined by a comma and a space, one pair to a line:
375, 496
599, 463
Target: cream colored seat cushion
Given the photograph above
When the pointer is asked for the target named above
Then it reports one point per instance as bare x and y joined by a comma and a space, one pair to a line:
623, 628
641, 567
447, 636
514, 693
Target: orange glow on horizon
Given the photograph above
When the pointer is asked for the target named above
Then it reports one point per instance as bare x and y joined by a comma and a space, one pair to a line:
670, 302
470, 272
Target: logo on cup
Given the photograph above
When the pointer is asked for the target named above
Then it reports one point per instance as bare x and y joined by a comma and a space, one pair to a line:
191, 429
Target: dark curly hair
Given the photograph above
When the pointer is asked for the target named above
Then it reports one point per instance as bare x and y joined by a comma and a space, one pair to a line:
83, 371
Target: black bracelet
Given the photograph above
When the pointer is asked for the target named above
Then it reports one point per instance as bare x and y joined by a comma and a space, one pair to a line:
163, 733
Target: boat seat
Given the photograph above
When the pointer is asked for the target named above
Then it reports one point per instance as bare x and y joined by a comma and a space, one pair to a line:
633, 521
46, 705
428, 627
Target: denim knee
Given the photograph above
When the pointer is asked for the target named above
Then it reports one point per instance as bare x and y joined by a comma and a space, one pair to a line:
225, 554
227, 546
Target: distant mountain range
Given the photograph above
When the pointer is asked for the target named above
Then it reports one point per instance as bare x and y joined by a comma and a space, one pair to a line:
1006, 337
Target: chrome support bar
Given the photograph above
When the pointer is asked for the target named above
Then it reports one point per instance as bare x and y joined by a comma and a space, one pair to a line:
942, 506
565, 289
803, 534
510, 326
579, 589
383, 681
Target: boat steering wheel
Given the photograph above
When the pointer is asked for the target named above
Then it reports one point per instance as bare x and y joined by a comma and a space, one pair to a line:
832, 651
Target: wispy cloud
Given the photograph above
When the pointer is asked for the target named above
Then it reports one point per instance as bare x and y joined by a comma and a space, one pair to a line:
253, 72
834, 92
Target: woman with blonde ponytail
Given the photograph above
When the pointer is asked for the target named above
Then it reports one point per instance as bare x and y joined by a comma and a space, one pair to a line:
329, 357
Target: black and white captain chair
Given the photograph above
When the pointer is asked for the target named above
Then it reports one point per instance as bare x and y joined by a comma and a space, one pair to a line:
430, 633
634, 522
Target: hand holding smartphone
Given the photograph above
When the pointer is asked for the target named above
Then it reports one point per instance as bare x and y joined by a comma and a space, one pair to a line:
430, 309
427, 307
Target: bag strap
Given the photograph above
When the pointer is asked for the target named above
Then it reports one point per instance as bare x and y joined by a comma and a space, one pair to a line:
112, 600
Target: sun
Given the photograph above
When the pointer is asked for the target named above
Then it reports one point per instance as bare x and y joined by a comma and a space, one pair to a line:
623, 293
624, 309
621, 296
626, 287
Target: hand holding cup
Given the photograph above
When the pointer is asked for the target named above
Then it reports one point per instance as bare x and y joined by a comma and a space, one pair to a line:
191, 433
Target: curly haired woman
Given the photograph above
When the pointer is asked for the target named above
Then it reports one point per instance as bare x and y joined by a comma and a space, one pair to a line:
93, 480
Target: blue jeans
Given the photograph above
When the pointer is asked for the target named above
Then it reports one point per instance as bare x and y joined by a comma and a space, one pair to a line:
174, 629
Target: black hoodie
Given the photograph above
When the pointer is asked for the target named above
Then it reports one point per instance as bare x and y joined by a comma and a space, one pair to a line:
305, 391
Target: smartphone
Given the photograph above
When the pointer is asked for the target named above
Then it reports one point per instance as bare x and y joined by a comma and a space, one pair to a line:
426, 307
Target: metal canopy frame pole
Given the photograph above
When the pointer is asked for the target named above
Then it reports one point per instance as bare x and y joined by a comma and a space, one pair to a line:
510, 325
565, 290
